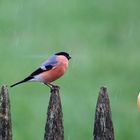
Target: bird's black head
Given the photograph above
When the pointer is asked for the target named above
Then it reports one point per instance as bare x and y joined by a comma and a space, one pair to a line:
65, 54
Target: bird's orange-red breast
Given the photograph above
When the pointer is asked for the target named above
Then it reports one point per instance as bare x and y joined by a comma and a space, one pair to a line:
56, 72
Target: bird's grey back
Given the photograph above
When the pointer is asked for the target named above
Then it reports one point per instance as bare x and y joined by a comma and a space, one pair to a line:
50, 61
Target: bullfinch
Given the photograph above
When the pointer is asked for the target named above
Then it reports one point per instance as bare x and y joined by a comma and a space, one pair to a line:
50, 70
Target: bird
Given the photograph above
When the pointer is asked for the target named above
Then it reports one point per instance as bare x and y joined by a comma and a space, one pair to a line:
50, 70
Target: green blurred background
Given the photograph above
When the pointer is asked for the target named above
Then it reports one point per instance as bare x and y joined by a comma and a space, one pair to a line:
103, 39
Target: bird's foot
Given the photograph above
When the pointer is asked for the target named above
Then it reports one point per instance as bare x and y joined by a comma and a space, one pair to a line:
53, 87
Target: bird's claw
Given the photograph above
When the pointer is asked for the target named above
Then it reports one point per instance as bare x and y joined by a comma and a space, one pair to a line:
53, 87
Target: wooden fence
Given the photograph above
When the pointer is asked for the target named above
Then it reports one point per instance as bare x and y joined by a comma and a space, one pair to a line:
54, 130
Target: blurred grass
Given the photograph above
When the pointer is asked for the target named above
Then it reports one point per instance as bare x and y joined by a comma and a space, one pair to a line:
103, 39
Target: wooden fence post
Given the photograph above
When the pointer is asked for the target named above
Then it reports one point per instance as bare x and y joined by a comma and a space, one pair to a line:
54, 126
103, 126
5, 115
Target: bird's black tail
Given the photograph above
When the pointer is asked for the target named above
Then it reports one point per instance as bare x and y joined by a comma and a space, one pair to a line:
25, 80
17, 83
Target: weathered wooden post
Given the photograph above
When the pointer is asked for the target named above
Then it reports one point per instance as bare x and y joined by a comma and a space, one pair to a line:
103, 126
5, 115
54, 126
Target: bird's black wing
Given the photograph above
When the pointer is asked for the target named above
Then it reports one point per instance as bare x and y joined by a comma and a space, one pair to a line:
40, 70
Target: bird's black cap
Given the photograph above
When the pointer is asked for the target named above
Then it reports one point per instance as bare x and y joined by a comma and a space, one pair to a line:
65, 54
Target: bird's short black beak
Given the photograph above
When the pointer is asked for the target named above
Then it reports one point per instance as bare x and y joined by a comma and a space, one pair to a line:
69, 57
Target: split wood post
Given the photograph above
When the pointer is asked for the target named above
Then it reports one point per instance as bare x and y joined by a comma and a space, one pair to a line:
5, 115
103, 126
54, 126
